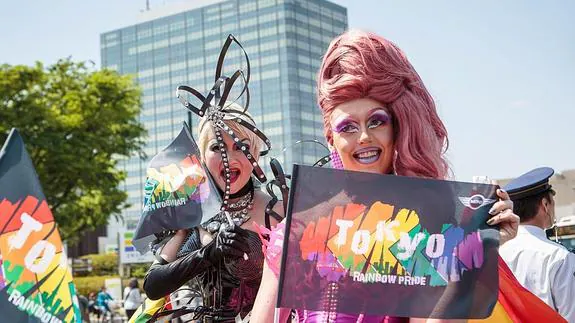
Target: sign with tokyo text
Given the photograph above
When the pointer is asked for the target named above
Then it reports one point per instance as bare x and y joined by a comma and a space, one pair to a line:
389, 245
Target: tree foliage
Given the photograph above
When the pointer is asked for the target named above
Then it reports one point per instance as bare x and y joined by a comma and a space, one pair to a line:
77, 123
103, 264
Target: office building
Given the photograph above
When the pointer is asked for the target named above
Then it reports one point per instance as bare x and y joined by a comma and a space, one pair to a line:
180, 44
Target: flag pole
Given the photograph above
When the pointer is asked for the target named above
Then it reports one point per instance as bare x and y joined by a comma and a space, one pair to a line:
190, 121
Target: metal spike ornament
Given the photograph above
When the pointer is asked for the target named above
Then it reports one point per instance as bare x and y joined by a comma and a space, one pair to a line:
280, 181
322, 161
214, 109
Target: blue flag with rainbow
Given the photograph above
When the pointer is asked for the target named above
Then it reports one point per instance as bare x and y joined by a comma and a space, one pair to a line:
35, 280
178, 194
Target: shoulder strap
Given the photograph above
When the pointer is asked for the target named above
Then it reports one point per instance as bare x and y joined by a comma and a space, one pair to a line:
129, 292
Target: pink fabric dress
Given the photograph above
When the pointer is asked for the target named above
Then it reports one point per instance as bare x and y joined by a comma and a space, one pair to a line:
272, 250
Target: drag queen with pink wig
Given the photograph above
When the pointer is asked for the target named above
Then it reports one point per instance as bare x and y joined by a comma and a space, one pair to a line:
379, 118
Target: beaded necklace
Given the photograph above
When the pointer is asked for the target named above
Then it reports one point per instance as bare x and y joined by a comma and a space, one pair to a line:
238, 211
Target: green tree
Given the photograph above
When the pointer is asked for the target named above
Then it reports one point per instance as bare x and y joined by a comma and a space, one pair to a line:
103, 264
77, 123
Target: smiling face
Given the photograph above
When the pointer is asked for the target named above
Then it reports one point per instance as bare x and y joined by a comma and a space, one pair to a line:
363, 136
240, 167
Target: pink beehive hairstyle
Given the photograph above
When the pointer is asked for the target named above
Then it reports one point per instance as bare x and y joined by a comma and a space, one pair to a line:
358, 65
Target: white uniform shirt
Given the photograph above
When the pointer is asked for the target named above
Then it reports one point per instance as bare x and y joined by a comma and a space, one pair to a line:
544, 267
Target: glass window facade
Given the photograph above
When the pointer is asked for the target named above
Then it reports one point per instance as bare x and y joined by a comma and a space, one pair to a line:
284, 39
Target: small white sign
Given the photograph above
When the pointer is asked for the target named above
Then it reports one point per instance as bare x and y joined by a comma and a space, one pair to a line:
114, 288
127, 251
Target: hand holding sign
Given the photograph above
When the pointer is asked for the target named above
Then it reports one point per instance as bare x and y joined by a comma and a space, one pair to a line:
503, 216
230, 242
231, 223
502, 211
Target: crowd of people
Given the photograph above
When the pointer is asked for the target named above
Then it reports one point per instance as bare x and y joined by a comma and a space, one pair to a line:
378, 118
102, 307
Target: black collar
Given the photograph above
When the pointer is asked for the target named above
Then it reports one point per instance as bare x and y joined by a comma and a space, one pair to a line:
248, 188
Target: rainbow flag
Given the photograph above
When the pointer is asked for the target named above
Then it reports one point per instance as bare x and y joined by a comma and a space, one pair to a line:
35, 281
146, 311
517, 304
179, 193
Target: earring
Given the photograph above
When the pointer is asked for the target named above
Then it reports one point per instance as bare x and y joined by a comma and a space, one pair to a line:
335, 160
394, 162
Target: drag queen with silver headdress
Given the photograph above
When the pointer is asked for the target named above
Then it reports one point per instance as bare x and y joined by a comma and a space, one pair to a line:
223, 257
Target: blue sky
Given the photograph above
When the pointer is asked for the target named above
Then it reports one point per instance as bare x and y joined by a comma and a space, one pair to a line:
502, 72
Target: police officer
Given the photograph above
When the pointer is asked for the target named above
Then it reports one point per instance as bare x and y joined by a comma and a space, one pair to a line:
542, 266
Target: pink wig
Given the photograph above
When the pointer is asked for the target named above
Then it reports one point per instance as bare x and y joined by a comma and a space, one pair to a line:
363, 65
